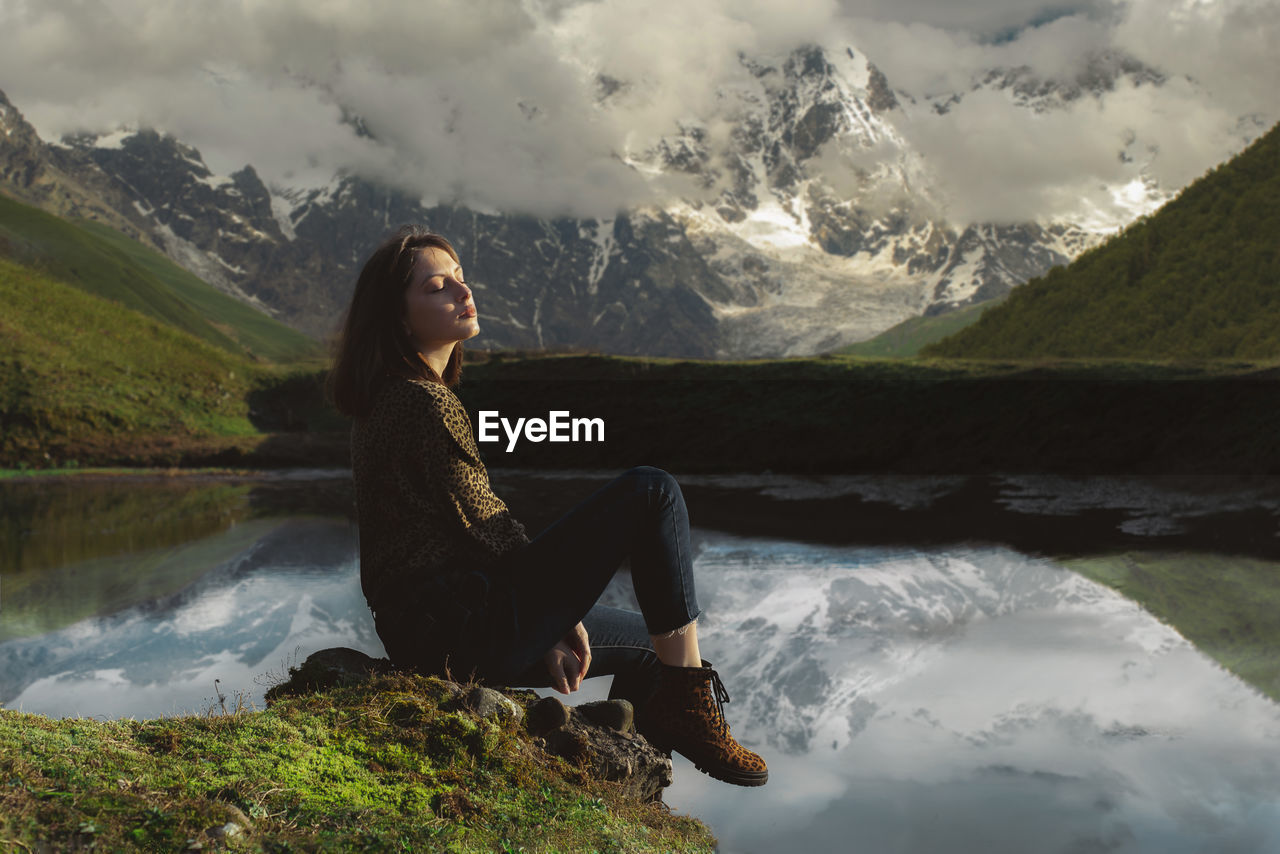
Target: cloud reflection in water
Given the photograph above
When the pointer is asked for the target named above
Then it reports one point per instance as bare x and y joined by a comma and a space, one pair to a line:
949, 700
295, 591
970, 700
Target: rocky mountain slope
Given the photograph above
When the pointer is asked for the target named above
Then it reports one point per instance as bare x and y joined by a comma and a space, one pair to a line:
779, 254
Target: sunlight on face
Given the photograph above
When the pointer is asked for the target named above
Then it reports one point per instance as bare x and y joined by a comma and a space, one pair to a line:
438, 308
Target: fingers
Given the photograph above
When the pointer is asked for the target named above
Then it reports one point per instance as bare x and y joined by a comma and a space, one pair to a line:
573, 671
581, 648
564, 669
558, 681
555, 670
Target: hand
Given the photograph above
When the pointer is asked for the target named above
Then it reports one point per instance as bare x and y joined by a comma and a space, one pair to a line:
569, 660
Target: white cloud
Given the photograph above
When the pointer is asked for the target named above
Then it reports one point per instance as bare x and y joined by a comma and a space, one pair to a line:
496, 102
994, 162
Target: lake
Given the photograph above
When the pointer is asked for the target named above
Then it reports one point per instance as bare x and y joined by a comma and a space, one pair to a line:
929, 664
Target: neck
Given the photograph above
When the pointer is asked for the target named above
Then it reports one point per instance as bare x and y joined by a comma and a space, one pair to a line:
438, 357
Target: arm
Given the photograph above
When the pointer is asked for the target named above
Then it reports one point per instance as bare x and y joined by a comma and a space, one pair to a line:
448, 466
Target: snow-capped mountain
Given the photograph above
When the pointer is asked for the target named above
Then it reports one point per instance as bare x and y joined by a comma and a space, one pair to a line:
812, 227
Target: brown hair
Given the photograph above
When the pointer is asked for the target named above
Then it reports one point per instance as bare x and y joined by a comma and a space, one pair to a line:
373, 343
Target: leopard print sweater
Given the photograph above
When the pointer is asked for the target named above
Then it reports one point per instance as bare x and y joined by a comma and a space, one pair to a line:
423, 500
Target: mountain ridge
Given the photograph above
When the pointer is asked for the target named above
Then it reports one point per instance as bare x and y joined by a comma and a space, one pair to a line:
776, 260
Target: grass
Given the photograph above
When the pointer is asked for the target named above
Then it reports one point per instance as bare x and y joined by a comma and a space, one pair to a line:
101, 261
907, 338
71, 362
1229, 607
88, 381
377, 767
254, 332
74, 468
78, 372
841, 414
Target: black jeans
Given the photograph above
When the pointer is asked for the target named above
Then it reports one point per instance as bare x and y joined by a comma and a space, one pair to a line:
552, 583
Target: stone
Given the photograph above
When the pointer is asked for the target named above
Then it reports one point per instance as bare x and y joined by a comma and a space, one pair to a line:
488, 703
601, 738
546, 715
598, 737
328, 668
225, 831
617, 715
568, 745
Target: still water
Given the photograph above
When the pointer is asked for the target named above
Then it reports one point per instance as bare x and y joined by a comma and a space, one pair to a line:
926, 663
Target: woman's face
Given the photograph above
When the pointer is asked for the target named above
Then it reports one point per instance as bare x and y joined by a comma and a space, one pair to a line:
438, 309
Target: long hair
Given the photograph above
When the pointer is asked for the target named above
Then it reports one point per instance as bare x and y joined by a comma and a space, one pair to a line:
373, 343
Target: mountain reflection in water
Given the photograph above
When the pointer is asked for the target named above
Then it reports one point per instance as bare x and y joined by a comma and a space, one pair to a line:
939, 696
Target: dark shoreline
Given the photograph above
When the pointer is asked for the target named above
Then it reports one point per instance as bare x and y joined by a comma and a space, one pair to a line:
971, 509
813, 416
1060, 516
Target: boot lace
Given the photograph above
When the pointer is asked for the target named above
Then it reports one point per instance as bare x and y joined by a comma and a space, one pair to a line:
721, 695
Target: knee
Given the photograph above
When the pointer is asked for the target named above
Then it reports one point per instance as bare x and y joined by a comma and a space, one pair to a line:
643, 471
650, 473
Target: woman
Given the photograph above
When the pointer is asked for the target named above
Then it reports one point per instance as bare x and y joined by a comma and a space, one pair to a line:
455, 584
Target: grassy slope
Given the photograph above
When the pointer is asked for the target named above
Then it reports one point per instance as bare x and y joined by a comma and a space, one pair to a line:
104, 262
378, 767
1198, 279
254, 331
907, 338
1229, 607
76, 366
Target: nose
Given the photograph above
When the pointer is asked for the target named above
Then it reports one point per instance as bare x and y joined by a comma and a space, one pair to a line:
466, 291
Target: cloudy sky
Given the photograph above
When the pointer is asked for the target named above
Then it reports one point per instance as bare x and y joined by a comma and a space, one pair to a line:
495, 102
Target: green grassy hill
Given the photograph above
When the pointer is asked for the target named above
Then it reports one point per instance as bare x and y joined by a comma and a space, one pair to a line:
103, 262
909, 337
1198, 279
74, 366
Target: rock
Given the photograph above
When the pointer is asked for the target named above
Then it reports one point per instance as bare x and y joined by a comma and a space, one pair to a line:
568, 745
547, 714
600, 737
487, 703
225, 831
237, 815
328, 668
617, 715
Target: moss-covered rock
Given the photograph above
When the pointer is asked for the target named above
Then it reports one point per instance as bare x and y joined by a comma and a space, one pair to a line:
598, 737
394, 762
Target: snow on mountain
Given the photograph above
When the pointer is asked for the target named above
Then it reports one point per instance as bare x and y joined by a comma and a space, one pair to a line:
897, 691
811, 224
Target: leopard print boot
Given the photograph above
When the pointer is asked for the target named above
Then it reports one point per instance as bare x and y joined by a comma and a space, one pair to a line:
686, 714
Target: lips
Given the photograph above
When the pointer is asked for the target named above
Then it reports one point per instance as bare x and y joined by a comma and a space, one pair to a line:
470, 312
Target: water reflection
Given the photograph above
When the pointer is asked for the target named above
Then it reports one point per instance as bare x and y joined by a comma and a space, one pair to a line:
974, 700
56, 522
910, 696
291, 587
